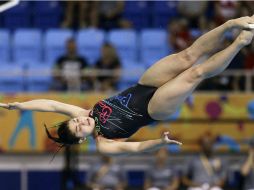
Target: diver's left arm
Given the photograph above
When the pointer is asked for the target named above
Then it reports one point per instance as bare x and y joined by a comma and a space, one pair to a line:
116, 147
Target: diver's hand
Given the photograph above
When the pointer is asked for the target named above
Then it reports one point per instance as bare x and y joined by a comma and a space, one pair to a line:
167, 140
10, 106
3, 105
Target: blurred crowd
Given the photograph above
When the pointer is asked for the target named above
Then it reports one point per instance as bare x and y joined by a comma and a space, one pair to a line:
204, 171
179, 24
70, 69
97, 14
192, 19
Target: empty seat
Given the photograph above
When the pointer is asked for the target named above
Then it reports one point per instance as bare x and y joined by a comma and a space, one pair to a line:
18, 16
4, 45
39, 77
47, 14
27, 45
138, 13
131, 73
125, 42
55, 40
11, 78
89, 43
153, 45
163, 12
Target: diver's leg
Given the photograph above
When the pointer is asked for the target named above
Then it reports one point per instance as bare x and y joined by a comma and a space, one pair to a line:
171, 66
172, 94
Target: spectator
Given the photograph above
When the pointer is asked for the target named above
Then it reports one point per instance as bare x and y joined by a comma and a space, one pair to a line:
232, 82
162, 176
86, 14
179, 34
249, 60
194, 11
110, 15
227, 83
249, 57
237, 82
69, 67
250, 6
108, 61
225, 10
245, 9
107, 175
247, 170
206, 171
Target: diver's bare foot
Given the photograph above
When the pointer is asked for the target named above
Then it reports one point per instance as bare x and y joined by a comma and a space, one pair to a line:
241, 23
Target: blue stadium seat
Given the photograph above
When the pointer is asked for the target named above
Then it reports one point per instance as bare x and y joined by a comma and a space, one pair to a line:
138, 13
55, 40
47, 14
89, 43
27, 45
195, 33
136, 179
125, 42
11, 79
18, 17
153, 45
4, 45
131, 73
39, 77
163, 12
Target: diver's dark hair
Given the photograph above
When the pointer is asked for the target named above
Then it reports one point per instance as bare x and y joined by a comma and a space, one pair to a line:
65, 136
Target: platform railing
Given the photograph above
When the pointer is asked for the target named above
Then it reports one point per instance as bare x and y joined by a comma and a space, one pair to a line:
247, 75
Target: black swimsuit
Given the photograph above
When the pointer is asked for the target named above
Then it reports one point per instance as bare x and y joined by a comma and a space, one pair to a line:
122, 115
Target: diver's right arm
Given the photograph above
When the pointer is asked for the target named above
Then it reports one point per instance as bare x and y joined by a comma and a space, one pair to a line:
44, 105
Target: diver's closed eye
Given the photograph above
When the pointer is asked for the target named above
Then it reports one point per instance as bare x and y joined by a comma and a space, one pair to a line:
78, 128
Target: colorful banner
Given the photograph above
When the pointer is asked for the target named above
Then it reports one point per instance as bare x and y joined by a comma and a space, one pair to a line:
226, 117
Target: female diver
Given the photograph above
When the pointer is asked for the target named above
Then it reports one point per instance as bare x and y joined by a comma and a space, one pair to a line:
161, 89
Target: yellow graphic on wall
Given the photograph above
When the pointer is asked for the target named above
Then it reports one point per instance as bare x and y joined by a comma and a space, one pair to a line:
229, 118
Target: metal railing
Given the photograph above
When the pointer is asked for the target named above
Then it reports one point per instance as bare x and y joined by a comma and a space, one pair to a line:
247, 75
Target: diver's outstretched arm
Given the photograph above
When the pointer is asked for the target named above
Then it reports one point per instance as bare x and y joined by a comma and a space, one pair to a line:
112, 147
44, 105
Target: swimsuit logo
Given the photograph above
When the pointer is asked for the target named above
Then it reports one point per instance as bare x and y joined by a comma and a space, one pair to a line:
124, 100
105, 112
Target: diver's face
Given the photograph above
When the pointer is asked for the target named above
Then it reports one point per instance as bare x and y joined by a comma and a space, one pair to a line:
82, 126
